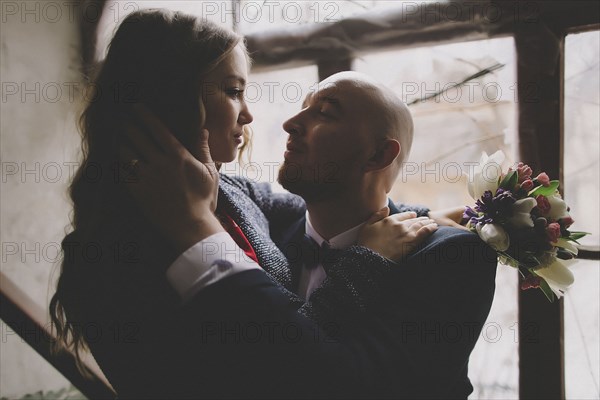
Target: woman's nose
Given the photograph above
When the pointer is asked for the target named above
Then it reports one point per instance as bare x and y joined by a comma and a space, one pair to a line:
246, 116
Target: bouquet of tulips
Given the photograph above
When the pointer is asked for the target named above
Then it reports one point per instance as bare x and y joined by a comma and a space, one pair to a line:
525, 219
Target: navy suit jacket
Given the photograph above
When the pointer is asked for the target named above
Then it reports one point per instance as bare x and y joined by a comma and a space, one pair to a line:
246, 335
434, 303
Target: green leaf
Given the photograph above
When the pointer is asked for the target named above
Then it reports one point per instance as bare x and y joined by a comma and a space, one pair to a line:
545, 190
506, 259
509, 181
574, 236
546, 289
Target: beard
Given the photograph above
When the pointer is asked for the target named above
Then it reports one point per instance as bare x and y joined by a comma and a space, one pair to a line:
324, 182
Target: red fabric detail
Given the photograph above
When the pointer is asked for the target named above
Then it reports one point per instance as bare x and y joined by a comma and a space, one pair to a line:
236, 233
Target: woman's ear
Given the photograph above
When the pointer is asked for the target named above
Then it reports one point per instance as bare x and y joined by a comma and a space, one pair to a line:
385, 154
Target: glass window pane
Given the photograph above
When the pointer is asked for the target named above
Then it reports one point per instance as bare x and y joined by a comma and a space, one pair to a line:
582, 187
582, 133
454, 128
494, 363
582, 349
451, 131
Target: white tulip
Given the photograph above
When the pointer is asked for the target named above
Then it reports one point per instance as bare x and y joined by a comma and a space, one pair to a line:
494, 235
567, 245
521, 217
557, 276
485, 175
558, 207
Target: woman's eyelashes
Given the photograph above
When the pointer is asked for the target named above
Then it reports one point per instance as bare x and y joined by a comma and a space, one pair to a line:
235, 92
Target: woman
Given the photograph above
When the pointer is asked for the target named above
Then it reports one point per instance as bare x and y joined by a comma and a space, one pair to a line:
112, 295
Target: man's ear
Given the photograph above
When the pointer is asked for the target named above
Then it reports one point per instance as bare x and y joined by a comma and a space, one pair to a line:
386, 153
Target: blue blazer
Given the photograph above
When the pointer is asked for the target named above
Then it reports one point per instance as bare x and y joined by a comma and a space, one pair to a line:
435, 304
247, 335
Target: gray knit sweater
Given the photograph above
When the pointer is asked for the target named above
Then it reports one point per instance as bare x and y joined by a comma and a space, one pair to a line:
353, 281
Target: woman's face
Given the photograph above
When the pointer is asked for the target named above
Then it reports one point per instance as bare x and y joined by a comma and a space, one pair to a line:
226, 110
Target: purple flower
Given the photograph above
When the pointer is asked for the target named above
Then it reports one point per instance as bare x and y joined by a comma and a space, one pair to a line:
496, 208
473, 217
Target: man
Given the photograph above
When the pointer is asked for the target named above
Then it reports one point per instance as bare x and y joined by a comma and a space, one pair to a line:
344, 152
363, 132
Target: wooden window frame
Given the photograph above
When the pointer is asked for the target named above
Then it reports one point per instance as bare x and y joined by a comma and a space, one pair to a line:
533, 24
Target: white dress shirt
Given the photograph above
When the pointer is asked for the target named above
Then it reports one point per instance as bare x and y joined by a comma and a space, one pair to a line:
206, 262
312, 278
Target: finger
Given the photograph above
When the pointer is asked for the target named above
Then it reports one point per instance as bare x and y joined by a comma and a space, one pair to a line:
379, 215
425, 231
157, 129
405, 215
126, 154
134, 138
409, 222
204, 153
421, 223
129, 167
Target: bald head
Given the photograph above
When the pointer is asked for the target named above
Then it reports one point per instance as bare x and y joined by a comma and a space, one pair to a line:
384, 113
350, 138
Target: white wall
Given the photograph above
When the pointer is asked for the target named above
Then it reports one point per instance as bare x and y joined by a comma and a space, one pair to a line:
39, 142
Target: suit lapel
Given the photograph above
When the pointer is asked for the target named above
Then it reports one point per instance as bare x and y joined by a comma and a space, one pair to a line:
393, 208
255, 226
290, 245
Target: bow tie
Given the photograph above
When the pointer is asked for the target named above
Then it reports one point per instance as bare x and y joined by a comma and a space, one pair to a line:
312, 254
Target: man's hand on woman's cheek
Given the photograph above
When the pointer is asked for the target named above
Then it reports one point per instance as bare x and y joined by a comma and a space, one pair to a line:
174, 190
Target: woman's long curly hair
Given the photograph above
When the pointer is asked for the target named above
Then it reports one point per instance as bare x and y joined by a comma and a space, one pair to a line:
157, 58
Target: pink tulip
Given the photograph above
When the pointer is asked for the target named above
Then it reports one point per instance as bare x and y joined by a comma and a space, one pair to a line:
543, 179
527, 185
524, 172
566, 222
553, 232
543, 204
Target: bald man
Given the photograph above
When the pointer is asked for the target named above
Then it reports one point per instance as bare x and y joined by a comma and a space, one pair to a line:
344, 152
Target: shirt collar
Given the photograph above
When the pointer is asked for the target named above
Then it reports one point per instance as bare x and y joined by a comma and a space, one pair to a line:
340, 241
